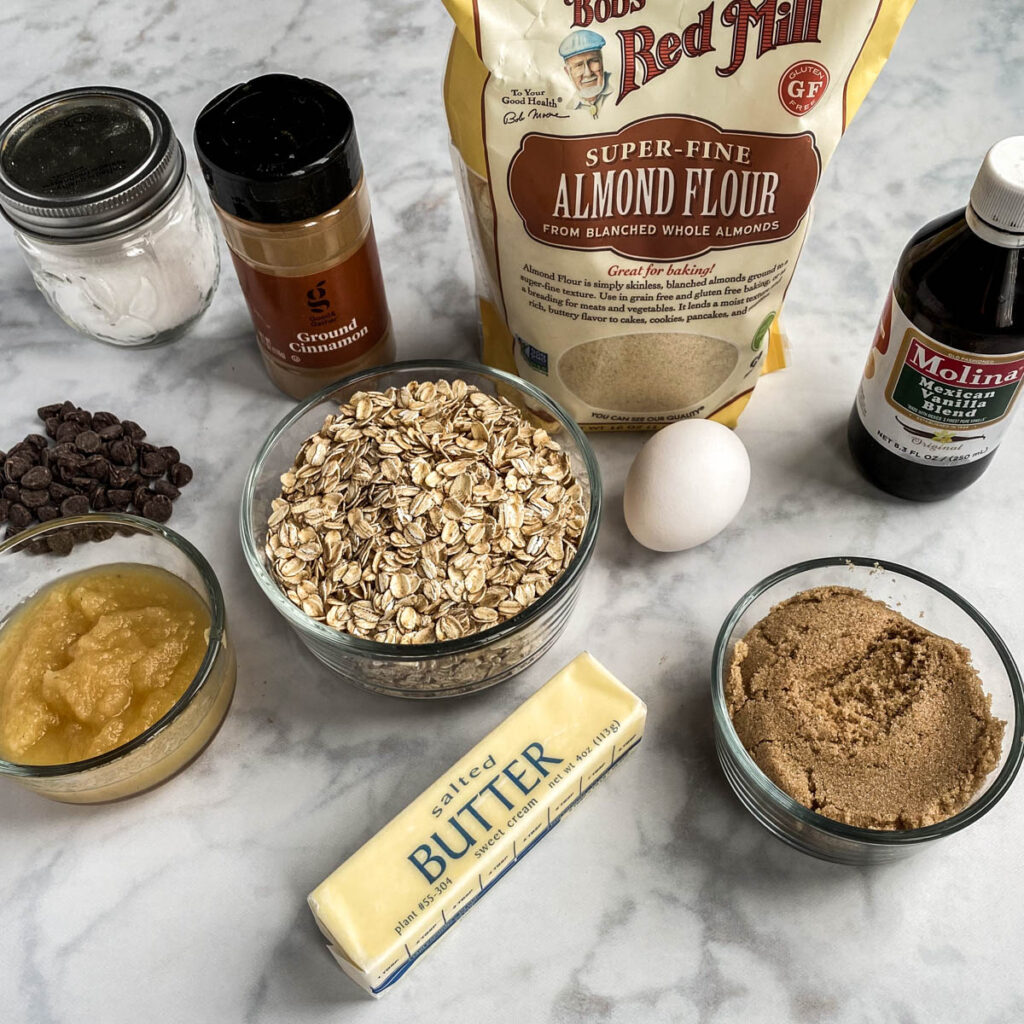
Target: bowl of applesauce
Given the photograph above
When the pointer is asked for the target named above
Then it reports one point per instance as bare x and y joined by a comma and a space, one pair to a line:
115, 666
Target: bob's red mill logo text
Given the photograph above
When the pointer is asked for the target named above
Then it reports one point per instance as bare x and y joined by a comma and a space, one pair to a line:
765, 26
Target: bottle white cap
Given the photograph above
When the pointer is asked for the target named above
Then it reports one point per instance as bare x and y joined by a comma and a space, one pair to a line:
996, 209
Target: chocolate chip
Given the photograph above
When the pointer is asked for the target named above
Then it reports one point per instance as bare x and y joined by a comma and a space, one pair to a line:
166, 488
133, 430
121, 476
180, 474
122, 452
68, 455
67, 432
97, 467
12, 531
16, 467
152, 464
158, 508
74, 461
58, 492
97, 462
18, 515
88, 441
33, 499
39, 546
37, 477
76, 505
60, 543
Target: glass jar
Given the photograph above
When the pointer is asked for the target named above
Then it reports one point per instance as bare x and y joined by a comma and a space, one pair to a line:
272, 260
448, 668
281, 159
176, 739
943, 375
94, 182
938, 608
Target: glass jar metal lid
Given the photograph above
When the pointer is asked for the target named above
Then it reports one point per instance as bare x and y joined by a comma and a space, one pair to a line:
87, 163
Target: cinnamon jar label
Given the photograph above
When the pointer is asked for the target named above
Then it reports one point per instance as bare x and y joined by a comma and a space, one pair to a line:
318, 320
932, 404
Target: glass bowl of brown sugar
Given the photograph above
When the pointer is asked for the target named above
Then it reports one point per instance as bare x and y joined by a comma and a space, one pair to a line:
863, 710
424, 527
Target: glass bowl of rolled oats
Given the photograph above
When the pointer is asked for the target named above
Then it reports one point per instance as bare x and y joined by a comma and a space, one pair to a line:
424, 527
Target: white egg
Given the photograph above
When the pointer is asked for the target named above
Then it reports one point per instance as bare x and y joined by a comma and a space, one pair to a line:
686, 485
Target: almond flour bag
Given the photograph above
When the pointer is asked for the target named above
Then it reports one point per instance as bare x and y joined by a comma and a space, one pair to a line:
636, 177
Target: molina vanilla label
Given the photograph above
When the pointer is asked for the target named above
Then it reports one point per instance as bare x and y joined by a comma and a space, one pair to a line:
637, 178
932, 404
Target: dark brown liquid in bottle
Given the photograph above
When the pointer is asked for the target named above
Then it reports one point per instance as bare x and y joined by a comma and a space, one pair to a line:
968, 294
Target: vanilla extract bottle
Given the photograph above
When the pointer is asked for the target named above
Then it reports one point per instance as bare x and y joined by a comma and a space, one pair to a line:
943, 375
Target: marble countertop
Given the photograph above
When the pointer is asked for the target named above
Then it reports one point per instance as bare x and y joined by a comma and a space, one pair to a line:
660, 899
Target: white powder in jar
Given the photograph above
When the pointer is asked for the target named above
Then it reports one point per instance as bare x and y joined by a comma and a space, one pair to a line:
140, 287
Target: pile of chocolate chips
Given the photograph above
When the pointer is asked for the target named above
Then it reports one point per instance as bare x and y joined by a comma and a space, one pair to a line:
98, 462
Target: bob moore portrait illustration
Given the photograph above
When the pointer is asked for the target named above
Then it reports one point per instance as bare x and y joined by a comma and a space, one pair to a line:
584, 64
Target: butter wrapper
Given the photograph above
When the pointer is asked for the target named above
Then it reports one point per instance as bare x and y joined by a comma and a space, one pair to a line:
401, 891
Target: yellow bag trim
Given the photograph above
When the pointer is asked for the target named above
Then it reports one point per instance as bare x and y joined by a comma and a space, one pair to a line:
873, 54
464, 81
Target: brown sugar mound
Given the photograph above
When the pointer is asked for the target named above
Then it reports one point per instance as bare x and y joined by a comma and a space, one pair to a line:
860, 714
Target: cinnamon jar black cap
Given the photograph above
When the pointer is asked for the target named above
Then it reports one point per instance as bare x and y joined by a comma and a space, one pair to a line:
278, 148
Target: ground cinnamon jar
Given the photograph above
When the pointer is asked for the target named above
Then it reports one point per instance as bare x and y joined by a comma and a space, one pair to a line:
280, 157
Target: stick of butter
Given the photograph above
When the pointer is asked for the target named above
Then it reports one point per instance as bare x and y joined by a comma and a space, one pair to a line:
397, 894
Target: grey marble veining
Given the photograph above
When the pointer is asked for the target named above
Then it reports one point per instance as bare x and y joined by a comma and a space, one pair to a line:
660, 899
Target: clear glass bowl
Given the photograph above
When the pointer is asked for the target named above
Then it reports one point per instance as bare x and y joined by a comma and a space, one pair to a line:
422, 670
175, 740
920, 598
